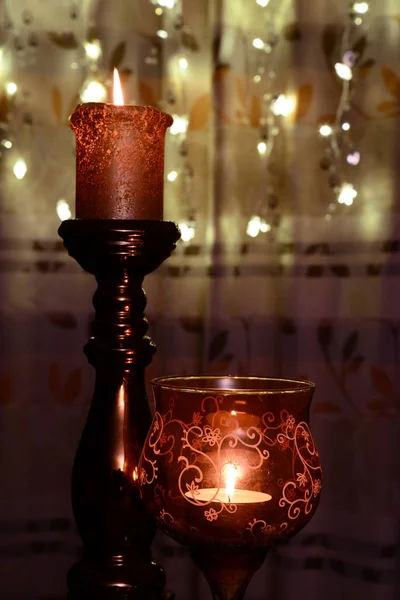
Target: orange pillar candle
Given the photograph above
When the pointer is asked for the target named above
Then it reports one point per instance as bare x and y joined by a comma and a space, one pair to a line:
119, 160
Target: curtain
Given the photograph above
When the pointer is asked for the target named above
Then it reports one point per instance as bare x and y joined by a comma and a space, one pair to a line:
315, 298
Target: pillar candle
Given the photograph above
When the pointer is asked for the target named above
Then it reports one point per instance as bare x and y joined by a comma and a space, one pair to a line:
119, 161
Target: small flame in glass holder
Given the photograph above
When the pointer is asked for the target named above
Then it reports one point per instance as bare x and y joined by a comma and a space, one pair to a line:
230, 481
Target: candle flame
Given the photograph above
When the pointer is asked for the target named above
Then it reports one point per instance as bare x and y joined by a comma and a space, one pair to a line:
230, 481
135, 474
118, 95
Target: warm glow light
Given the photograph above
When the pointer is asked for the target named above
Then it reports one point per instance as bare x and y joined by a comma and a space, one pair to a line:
63, 210
93, 49
230, 481
159, 11
347, 194
325, 130
345, 126
135, 474
179, 125
167, 3
262, 3
162, 34
360, 7
343, 71
349, 58
353, 158
94, 91
20, 168
256, 78
187, 230
6, 143
264, 226
11, 88
262, 147
172, 175
257, 225
118, 96
358, 21
183, 63
253, 226
257, 43
233, 413
283, 105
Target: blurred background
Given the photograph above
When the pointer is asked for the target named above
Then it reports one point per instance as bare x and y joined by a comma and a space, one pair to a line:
282, 171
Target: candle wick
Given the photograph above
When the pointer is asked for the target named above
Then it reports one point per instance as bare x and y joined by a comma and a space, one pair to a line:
229, 499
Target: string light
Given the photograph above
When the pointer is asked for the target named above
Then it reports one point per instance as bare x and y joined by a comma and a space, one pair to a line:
93, 91
93, 88
340, 154
167, 3
253, 226
258, 43
20, 168
11, 88
257, 225
264, 226
93, 49
325, 130
174, 35
273, 108
346, 194
262, 147
172, 175
6, 144
162, 34
188, 230
353, 158
360, 7
282, 106
179, 125
343, 71
63, 210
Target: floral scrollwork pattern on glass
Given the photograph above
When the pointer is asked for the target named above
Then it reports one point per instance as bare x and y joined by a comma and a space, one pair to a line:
272, 453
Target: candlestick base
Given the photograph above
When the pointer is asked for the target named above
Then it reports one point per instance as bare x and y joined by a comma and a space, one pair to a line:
112, 522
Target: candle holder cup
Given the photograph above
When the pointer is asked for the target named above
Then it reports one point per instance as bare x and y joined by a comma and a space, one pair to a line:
230, 468
112, 522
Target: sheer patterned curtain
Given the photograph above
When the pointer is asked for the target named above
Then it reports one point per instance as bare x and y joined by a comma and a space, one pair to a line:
316, 298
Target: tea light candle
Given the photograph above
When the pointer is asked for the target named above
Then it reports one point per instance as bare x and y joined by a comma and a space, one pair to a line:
230, 495
119, 159
238, 497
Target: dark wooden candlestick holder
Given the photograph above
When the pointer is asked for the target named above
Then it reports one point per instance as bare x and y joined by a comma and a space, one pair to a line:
115, 529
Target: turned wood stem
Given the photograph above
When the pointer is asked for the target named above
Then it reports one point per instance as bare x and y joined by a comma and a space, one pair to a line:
113, 524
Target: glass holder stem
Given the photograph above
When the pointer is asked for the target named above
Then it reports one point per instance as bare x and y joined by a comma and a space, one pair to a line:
229, 572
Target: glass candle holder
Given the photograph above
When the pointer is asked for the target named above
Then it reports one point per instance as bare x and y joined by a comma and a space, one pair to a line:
229, 468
